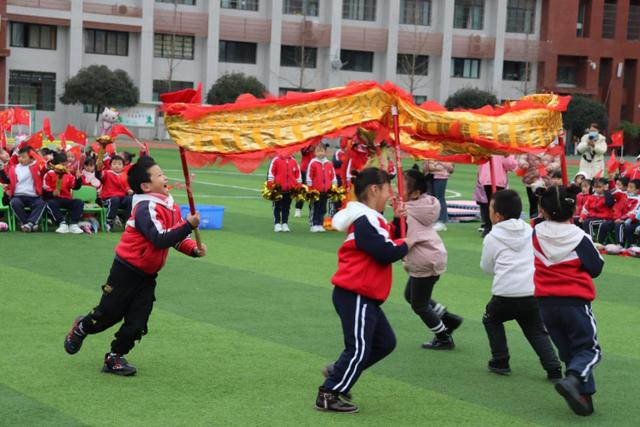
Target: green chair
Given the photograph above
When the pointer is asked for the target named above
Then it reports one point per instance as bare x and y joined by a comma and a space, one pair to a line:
8, 213
43, 225
88, 195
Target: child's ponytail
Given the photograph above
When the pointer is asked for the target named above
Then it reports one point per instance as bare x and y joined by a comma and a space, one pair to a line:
366, 177
559, 202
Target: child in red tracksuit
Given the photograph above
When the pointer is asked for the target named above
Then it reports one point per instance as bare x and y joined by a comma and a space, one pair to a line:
581, 198
565, 262
362, 283
320, 176
129, 292
284, 171
597, 210
115, 193
57, 187
625, 222
24, 175
306, 155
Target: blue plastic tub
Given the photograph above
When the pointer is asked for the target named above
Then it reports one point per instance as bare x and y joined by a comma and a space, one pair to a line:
210, 216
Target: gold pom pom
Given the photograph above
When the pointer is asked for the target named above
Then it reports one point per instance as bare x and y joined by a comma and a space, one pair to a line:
273, 193
336, 194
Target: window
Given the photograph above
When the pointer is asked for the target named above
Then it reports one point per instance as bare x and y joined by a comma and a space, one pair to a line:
291, 56
359, 10
182, 46
163, 86
419, 99
89, 109
187, 2
633, 24
283, 90
300, 7
567, 75
609, 20
33, 35
415, 12
239, 4
584, 11
356, 60
467, 68
516, 71
412, 64
468, 14
33, 88
106, 42
238, 52
521, 16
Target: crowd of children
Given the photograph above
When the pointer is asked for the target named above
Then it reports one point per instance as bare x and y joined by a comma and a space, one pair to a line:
44, 180
609, 209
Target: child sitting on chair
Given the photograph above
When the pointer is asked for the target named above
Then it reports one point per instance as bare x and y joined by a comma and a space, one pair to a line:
58, 184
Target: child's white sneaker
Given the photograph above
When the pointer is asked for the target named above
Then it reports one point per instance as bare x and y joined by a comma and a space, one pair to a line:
285, 228
277, 228
313, 229
439, 226
75, 229
321, 229
63, 228
298, 213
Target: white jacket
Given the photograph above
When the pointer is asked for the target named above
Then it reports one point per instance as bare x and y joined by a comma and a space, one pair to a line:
507, 253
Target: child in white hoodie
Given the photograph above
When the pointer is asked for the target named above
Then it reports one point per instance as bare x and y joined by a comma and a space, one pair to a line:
507, 253
426, 261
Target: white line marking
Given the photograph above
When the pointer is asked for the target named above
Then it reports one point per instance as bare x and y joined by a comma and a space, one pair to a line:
219, 185
215, 172
454, 195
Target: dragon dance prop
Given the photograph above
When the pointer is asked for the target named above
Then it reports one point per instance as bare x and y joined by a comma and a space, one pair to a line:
251, 129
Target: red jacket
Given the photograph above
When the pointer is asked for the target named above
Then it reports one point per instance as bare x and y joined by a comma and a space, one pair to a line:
620, 202
321, 175
598, 206
629, 208
113, 184
37, 172
340, 160
306, 155
155, 226
69, 183
365, 257
581, 198
565, 262
284, 171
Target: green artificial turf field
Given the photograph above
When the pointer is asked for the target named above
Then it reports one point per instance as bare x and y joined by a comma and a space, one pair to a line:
239, 337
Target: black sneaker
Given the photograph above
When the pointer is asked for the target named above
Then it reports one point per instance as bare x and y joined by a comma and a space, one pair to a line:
118, 365
331, 401
73, 341
451, 321
554, 375
440, 344
569, 388
326, 371
500, 367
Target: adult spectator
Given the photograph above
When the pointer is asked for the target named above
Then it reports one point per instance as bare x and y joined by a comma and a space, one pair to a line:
440, 172
592, 147
501, 166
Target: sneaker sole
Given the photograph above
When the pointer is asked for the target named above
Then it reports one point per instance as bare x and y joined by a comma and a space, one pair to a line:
321, 409
500, 371
75, 322
118, 373
575, 405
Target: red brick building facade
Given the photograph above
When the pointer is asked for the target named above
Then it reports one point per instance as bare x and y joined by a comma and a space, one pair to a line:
592, 47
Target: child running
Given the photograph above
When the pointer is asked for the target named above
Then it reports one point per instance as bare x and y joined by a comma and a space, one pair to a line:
154, 227
507, 253
362, 284
566, 260
426, 261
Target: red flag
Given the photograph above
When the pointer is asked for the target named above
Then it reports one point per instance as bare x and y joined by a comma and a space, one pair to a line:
616, 139
3, 140
121, 130
73, 134
598, 174
187, 96
20, 116
612, 163
35, 141
63, 142
46, 128
542, 171
554, 150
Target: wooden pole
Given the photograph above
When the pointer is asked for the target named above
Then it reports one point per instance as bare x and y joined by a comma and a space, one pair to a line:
187, 183
563, 161
399, 174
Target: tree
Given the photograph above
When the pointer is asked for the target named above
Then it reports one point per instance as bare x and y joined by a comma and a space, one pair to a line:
413, 67
581, 112
470, 98
228, 87
100, 87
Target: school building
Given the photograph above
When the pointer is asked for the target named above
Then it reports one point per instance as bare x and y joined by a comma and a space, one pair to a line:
431, 48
